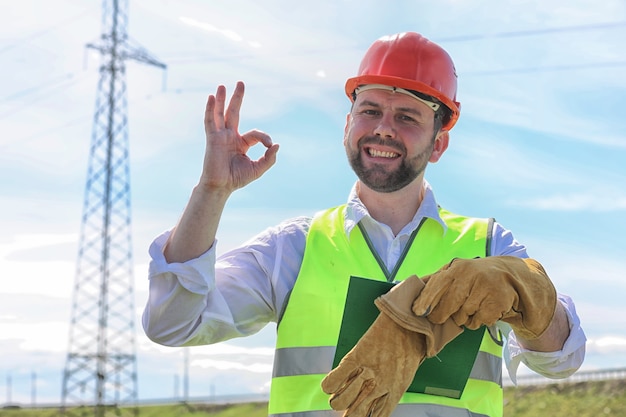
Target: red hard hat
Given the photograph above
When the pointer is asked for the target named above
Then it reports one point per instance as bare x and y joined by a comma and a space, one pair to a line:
412, 62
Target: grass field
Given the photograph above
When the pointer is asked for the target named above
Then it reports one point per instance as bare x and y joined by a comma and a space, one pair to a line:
583, 399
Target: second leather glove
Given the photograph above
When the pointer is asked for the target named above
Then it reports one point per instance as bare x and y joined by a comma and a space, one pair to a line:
372, 377
475, 292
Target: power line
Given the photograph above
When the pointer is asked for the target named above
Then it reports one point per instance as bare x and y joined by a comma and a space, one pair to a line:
82, 119
194, 57
549, 68
48, 84
60, 84
65, 80
533, 32
43, 32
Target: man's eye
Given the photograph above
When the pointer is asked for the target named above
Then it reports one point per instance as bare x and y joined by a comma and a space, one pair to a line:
406, 118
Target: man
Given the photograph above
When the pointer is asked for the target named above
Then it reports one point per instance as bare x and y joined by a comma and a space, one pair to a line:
297, 274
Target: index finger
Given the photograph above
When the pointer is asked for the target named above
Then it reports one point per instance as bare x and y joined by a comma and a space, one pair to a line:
256, 135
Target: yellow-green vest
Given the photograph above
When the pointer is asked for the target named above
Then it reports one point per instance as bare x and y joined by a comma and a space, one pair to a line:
309, 328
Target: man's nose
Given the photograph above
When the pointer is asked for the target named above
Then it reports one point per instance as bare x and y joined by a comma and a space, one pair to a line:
385, 127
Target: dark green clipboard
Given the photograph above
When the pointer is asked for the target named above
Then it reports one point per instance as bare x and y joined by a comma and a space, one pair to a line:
444, 375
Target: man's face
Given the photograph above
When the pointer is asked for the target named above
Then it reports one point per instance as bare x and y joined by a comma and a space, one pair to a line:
389, 139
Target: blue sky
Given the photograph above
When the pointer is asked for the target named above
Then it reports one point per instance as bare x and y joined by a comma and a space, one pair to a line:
540, 146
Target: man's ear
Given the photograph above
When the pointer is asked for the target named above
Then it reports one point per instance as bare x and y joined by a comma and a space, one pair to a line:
440, 145
346, 128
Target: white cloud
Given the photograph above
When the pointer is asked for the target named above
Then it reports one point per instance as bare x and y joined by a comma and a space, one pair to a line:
229, 34
607, 344
537, 180
29, 336
505, 163
226, 348
231, 365
594, 200
34, 241
574, 264
596, 317
45, 278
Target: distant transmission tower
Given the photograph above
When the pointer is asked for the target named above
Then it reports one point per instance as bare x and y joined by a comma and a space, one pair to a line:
100, 376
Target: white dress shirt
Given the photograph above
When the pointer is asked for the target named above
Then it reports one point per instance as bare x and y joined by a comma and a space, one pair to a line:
204, 300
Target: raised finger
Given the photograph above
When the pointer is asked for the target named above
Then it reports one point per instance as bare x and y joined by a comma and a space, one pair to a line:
214, 111
209, 116
232, 112
218, 110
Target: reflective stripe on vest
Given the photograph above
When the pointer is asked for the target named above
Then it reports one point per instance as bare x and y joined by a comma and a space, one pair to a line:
309, 328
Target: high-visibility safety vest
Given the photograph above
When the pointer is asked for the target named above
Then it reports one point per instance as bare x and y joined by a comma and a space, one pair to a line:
309, 328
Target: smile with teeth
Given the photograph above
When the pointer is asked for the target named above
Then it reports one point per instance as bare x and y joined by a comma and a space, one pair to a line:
382, 154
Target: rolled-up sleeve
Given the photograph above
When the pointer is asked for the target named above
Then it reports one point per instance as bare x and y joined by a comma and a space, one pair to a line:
195, 275
212, 298
186, 307
554, 365
176, 297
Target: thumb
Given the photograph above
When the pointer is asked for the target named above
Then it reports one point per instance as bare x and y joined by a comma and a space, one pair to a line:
270, 155
265, 162
420, 308
437, 286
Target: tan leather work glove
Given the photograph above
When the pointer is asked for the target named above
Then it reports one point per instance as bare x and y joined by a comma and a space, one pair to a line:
370, 380
481, 291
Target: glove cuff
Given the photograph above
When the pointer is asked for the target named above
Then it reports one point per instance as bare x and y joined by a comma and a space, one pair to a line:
537, 302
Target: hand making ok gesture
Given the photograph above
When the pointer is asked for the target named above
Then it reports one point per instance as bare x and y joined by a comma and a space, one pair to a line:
227, 166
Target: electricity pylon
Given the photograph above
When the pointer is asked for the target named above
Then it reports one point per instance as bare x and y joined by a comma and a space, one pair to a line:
100, 375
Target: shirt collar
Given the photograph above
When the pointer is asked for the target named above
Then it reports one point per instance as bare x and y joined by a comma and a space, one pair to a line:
356, 211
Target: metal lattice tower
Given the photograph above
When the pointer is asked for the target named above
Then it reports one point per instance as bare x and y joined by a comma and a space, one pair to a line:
100, 375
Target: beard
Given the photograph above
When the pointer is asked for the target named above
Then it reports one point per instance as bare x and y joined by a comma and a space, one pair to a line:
378, 177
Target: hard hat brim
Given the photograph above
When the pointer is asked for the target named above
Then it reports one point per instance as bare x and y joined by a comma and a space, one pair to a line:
453, 106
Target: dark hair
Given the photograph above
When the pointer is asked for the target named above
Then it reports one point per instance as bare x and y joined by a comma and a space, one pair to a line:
443, 113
